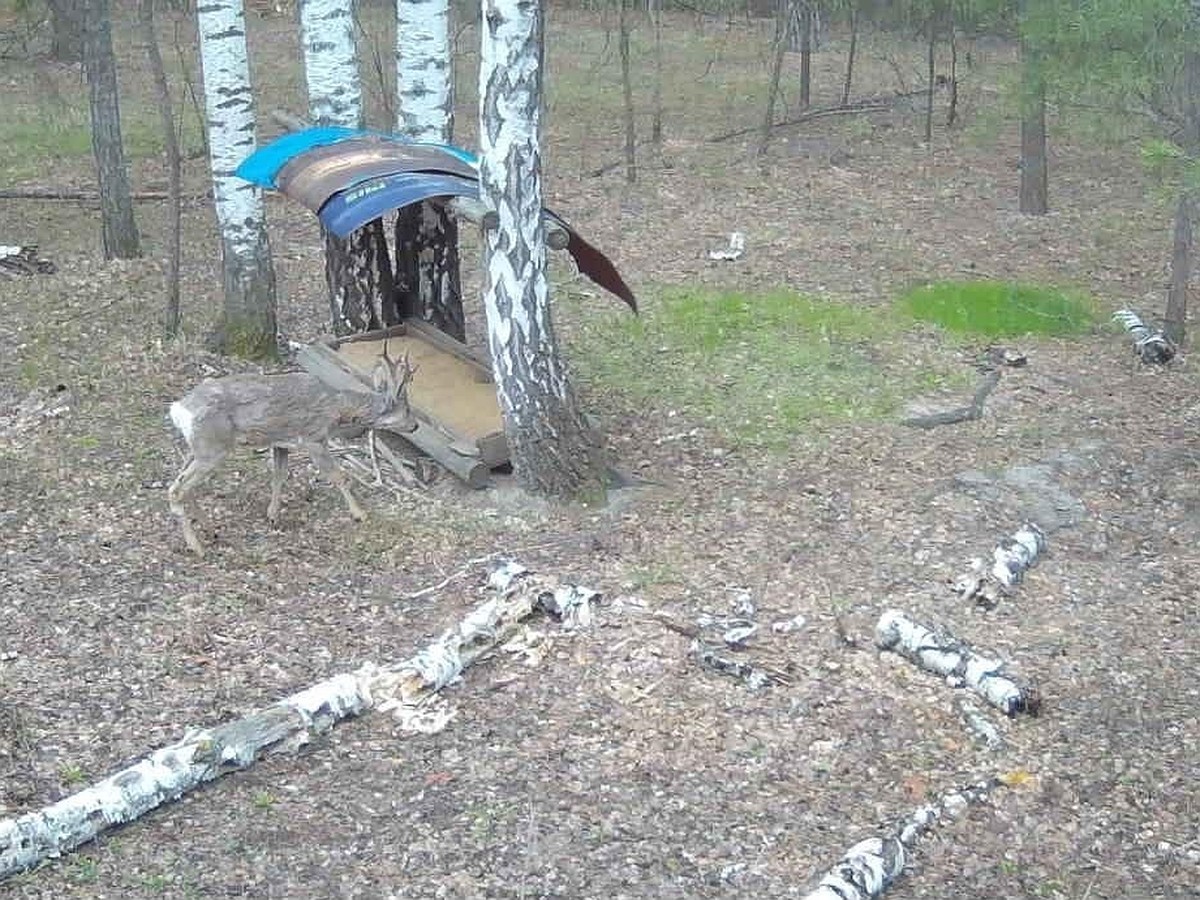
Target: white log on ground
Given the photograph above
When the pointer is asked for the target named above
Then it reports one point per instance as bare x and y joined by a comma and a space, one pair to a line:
871, 866
1151, 345
936, 650
1011, 559
203, 755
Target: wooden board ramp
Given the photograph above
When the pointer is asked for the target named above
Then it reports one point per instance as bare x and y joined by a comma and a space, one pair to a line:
452, 394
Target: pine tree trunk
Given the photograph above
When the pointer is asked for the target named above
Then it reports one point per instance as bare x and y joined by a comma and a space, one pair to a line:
120, 233
1034, 190
1174, 322
358, 270
806, 49
552, 450
247, 324
850, 54
428, 280
162, 93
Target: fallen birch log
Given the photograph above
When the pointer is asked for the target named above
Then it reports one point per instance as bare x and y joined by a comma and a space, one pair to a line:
206, 754
1153, 347
1011, 559
870, 867
938, 651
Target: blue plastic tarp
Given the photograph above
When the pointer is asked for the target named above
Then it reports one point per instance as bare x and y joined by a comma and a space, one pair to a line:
350, 209
263, 166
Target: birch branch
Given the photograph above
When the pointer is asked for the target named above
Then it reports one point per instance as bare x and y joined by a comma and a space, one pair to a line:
206, 754
1150, 345
870, 867
1011, 559
939, 652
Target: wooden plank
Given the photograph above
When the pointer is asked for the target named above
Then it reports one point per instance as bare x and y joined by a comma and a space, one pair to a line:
324, 364
428, 440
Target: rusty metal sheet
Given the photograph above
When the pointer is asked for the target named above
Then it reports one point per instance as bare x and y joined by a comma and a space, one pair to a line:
317, 174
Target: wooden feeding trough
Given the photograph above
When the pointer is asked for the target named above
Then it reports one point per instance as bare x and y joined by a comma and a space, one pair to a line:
452, 395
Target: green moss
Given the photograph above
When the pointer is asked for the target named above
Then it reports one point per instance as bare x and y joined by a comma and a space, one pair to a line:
1000, 308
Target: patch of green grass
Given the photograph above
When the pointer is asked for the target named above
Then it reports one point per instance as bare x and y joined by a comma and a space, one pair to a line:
760, 368
264, 800
999, 308
71, 774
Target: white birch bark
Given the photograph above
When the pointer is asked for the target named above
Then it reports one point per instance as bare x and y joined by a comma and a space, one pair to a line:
1011, 559
870, 867
427, 264
249, 280
206, 754
424, 72
548, 440
331, 63
938, 651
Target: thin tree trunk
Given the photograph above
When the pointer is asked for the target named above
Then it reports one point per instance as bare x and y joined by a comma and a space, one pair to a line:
781, 29
358, 270
119, 230
1174, 322
952, 111
806, 48
428, 283
850, 54
627, 93
656, 125
551, 446
247, 324
931, 78
174, 165
1034, 191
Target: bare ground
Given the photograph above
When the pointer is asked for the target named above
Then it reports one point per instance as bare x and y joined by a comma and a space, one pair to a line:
615, 767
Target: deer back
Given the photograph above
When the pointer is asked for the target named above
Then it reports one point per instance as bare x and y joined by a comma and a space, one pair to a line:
259, 410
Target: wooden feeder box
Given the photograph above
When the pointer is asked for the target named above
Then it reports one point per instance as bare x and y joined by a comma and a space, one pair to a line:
452, 395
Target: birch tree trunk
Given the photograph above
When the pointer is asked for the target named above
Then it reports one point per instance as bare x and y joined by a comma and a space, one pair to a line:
358, 270
120, 235
247, 323
552, 450
428, 281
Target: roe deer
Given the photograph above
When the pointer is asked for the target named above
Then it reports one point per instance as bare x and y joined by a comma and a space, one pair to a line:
278, 411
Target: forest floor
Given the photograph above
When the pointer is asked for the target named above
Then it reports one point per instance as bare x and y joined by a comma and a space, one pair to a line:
611, 765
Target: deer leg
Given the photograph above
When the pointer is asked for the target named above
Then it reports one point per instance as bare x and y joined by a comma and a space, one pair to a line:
329, 467
279, 462
194, 473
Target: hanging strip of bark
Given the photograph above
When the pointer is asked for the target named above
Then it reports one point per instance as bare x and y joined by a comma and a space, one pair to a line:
870, 867
1011, 559
936, 650
1154, 347
206, 754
